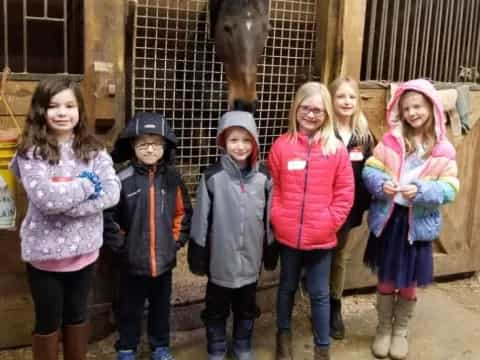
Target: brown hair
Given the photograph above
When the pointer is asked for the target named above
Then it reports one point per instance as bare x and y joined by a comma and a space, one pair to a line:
36, 134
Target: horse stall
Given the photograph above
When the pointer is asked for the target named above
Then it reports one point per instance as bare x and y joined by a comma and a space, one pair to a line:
190, 60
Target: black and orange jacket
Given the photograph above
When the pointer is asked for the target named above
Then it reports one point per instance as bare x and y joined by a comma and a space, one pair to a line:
151, 221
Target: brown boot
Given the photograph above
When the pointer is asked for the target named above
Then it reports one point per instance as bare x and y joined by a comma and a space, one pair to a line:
45, 347
321, 353
383, 336
284, 345
75, 341
402, 314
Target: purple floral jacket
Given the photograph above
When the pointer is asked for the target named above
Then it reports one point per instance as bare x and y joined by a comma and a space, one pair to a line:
61, 222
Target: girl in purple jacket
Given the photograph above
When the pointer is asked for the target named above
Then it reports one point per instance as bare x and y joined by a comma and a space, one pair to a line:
69, 180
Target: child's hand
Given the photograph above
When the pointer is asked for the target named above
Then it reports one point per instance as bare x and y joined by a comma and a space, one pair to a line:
390, 187
408, 191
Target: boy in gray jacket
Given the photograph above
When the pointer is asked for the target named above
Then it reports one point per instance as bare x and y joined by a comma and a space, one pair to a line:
229, 231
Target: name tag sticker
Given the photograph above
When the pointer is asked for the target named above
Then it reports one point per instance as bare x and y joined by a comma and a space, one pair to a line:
356, 155
297, 164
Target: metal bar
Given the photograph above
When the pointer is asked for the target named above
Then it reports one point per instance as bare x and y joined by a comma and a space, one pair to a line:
415, 37
65, 37
436, 41
458, 35
45, 18
393, 41
477, 44
45, 8
404, 45
134, 57
25, 36
383, 26
448, 41
371, 35
426, 42
155, 64
469, 34
5, 31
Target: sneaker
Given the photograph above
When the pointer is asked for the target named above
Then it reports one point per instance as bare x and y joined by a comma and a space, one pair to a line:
126, 355
162, 353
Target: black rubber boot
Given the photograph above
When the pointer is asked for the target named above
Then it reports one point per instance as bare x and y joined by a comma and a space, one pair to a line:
242, 339
337, 328
216, 340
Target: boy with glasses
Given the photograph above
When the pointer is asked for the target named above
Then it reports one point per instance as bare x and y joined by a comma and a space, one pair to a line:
147, 227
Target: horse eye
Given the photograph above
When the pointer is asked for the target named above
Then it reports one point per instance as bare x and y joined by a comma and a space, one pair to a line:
227, 28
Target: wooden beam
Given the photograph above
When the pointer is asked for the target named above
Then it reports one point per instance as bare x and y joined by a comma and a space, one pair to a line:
104, 83
339, 38
354, 12
326, 49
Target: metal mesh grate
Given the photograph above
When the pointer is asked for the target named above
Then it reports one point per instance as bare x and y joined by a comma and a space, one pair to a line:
436, 39
175, 72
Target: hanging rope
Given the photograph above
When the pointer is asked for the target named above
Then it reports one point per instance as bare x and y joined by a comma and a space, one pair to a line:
3, 99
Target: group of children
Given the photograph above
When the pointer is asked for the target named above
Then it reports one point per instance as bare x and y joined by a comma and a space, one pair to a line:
321, 176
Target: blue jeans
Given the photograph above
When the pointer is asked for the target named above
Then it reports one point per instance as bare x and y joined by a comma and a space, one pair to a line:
317, 267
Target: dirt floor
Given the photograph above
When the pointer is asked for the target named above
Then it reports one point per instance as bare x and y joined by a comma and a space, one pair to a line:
446, 327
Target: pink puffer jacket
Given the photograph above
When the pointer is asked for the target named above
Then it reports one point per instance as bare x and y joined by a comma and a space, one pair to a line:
312, 193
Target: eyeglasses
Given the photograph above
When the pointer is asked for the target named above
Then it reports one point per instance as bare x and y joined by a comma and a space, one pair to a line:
305, 110
145, 146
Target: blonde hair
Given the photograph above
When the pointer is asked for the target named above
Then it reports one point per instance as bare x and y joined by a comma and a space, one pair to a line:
428, 129
326, 134
358, 121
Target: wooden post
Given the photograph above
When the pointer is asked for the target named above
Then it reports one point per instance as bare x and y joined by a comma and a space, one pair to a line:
326, 49
339, 39
354, 12
104, 84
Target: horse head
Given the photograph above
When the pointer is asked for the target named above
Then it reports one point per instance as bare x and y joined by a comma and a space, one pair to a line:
240, 28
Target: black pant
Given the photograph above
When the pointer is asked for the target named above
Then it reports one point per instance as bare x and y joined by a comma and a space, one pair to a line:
134, 290
60, 298
220, 299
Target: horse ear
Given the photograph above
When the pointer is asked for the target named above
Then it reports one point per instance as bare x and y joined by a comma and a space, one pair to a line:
213, 10
263, 6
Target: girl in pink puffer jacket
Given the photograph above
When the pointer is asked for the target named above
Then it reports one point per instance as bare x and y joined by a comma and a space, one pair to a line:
313, 191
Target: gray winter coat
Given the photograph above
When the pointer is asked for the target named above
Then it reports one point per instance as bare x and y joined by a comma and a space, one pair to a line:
230, 219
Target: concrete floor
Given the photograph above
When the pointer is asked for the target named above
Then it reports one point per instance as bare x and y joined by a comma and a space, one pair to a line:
446, 327
443, 329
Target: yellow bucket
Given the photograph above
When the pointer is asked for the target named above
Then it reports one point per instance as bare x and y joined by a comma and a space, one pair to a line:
8, 184
7, 149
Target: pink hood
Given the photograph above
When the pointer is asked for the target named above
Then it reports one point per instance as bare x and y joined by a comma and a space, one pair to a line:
426, 88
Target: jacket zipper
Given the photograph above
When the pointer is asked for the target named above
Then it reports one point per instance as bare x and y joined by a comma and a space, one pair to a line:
410, 209
153, 255
302, 209
390, 210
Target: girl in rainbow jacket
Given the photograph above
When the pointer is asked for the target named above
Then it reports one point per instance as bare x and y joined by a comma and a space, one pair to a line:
411, 173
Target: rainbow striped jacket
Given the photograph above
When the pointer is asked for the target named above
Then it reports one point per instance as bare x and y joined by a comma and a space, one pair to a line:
437, 183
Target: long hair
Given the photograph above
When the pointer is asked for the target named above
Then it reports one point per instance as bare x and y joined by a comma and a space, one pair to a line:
358, 121
326, 134
37, 136
427, 130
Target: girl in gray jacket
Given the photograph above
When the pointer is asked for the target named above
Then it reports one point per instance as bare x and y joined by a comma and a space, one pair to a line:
229, 230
